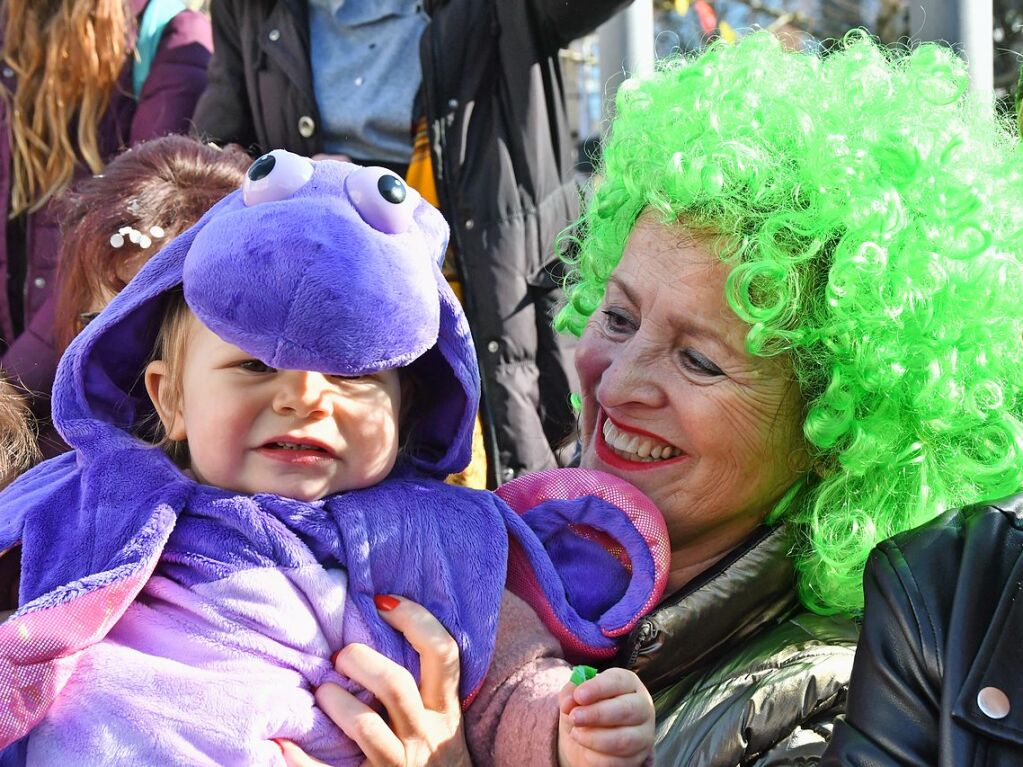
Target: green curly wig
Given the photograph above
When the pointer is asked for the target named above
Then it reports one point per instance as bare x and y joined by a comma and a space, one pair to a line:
870, 211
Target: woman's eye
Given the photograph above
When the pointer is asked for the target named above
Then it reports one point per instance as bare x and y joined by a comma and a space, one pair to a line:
616, 321
693, 360
255, 366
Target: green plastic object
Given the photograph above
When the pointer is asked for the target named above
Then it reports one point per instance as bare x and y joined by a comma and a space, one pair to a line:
581, 673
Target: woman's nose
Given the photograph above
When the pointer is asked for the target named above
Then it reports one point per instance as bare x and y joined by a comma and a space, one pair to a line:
629, 378
302, 393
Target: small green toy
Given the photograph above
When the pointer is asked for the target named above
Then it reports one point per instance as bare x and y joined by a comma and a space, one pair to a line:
581, 673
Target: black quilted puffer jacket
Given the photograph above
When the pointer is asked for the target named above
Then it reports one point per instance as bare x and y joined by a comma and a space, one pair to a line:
741, 674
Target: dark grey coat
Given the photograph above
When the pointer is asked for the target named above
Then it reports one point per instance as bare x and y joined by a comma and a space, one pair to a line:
493, 94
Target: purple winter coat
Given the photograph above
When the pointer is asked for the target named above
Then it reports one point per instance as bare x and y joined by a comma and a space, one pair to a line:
176, 79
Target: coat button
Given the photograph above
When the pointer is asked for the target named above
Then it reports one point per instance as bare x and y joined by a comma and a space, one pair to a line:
306, 126
493, 347
8, 72
275, 35
39, 282
452, 104
469, 224
993, 702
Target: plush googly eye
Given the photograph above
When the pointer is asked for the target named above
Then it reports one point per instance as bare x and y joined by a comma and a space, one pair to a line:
384, 201
275, 176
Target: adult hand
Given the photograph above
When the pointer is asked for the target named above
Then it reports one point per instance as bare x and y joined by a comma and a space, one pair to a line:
425, 722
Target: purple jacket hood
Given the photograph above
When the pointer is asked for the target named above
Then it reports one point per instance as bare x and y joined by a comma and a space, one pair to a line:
313, 266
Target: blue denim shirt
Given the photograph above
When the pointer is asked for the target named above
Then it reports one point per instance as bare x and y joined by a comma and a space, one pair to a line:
366, 72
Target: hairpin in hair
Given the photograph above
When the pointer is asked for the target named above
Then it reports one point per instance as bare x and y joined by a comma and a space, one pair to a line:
134, 236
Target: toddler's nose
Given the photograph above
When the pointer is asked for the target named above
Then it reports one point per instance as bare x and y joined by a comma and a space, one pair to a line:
302, 393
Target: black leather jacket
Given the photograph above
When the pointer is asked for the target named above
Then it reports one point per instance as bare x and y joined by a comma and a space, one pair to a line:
741, 674
938, 679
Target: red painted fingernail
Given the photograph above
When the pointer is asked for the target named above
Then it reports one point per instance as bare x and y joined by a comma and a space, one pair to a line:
385, 602
333, 658
279, 744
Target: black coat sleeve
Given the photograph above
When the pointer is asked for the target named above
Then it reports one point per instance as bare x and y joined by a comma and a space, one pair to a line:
567, 20
894, 695
223, 114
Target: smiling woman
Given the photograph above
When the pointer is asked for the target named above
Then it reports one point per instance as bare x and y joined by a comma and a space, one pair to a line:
796, 287
664, 369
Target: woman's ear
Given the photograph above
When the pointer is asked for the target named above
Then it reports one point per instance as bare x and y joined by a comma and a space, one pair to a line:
164, 396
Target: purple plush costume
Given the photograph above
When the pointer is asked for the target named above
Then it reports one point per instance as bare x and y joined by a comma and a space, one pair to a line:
167, 622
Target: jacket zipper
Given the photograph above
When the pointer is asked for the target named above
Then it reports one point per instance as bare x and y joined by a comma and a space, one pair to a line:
644, 631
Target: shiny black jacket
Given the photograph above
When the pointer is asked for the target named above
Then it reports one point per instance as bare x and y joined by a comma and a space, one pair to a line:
938, 679
740, 673
503, 160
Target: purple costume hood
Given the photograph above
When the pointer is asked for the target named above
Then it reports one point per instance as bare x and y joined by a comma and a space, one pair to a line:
311, 266
298, 278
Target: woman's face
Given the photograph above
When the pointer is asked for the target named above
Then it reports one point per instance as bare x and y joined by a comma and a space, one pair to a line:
673, 403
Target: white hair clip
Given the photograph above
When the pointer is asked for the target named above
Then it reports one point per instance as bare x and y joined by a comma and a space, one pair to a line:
134, 236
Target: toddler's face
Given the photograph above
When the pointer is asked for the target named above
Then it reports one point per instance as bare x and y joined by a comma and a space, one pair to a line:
293, 433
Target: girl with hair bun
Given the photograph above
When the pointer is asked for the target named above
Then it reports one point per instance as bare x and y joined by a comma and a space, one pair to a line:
81, 79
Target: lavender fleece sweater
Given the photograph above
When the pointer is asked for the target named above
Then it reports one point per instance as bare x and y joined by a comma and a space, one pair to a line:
165, 621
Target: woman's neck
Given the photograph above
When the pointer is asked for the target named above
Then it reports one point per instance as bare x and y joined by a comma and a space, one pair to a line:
698, 556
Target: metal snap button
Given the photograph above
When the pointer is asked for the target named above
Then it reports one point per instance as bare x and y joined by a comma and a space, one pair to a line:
452, 104
469, 224
493, 347
306, 126
993, 703
275, 35
8, 72
39, 282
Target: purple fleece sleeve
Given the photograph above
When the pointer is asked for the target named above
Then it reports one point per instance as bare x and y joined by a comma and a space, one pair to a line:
176, 79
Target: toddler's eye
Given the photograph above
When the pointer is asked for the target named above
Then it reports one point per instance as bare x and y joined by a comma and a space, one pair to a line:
255, 366
384, 201
275, 176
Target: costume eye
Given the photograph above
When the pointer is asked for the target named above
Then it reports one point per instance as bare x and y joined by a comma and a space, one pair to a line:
384, 201
275, 176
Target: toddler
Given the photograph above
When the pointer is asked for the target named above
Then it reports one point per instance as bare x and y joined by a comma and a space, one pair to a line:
303, 362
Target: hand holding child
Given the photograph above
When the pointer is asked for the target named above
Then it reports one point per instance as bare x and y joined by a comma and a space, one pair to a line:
606, 720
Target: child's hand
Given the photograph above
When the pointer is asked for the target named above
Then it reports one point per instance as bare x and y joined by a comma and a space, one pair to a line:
607, 720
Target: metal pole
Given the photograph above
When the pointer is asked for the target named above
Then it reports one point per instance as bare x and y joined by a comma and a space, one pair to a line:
978, 24
626, 45
966, 24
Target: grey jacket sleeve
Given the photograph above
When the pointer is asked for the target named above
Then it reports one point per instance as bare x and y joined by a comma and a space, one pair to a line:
223, 113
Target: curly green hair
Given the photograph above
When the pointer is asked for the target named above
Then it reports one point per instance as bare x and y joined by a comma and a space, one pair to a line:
870, 212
